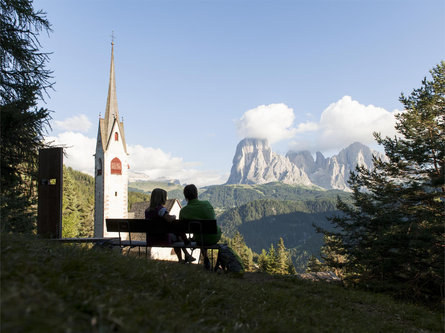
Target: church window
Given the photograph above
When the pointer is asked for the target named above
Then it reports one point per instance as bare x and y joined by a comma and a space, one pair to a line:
116, 136
116, 166
115, 194
99, 167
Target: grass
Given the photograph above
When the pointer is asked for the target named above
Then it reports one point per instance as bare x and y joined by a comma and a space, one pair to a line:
49, 287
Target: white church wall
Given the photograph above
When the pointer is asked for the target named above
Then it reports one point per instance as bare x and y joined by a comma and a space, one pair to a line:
116, 185
99, 190
175, 209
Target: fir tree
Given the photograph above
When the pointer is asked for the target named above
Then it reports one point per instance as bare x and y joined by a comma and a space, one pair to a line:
392, 237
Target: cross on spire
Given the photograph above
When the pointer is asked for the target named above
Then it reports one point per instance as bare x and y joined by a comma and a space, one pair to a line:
112, 37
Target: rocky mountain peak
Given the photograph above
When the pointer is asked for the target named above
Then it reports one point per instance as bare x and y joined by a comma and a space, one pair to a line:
255, 163
303, 160
356, 154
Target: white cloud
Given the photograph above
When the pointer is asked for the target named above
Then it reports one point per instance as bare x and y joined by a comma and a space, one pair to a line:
79, 123
150, 163
343, 123
142, 158
308, 126
79, 150
272, 122
145, 162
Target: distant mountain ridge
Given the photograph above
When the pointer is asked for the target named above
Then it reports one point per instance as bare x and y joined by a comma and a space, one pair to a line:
255, 163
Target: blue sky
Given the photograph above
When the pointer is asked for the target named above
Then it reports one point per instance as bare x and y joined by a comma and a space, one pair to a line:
195, 77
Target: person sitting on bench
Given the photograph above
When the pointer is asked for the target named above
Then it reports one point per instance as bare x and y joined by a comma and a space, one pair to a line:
157, 211
199, 210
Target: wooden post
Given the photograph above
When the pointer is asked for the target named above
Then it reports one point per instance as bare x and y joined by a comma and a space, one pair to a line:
50, 192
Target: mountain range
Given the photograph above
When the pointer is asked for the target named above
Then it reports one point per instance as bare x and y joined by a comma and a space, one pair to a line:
255, 163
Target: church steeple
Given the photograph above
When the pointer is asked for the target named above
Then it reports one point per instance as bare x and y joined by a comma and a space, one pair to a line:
111, 164
111, 110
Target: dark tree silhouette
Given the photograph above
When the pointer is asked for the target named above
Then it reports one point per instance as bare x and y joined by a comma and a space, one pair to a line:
24, 80
392, 236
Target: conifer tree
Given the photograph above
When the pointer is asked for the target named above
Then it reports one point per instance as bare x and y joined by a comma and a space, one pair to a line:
263, 261
276, 261
24, 79
281, 257
267, 260
284, 262
392, 236
333, 254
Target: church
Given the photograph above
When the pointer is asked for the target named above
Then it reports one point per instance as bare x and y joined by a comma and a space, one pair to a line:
111, 164
111, 173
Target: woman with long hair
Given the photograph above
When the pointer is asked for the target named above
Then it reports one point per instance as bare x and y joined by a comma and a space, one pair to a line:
157, 211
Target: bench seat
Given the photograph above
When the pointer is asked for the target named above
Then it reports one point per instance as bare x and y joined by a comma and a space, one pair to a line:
156, 227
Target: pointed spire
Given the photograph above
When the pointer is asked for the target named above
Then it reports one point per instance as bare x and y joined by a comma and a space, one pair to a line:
111, 110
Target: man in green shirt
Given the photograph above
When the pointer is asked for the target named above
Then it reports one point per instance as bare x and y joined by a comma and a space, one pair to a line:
199, 210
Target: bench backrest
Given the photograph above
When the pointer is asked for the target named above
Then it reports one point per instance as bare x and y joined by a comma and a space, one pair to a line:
161, 226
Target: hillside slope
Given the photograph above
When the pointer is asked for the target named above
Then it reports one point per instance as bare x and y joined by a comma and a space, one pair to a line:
47, 287
264, 222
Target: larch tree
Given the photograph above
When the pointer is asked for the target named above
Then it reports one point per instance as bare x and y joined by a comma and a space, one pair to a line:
392, 236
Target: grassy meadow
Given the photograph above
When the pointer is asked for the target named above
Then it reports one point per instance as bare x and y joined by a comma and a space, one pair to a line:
50, 287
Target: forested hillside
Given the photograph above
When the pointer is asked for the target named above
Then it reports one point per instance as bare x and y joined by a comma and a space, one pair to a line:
232, 218
134, 197
263, 214
264, 222
78, 204
228, 196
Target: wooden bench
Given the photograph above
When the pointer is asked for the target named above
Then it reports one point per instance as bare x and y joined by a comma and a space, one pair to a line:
159, 227
95, 240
